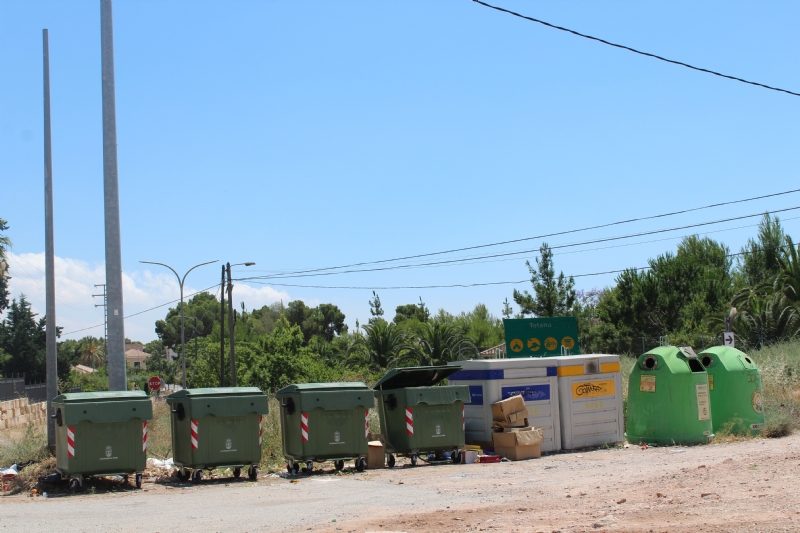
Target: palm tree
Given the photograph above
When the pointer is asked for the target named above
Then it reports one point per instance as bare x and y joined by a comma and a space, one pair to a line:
382, 346
441, 343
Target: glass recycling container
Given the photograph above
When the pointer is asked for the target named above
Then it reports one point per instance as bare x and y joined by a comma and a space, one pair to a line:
101, 434
325, 422
734, 386
668, 401
418, 417
217, 428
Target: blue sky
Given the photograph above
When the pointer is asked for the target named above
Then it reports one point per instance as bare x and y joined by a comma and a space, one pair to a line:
313, 134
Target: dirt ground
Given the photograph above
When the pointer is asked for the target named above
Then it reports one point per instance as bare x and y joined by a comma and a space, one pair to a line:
734, 487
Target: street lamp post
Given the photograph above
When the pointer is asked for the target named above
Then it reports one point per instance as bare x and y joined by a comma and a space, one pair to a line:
180, 282
230, 317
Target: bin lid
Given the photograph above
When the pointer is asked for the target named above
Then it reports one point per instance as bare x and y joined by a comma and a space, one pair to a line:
215, 391
104, 396
415, 376
322, 387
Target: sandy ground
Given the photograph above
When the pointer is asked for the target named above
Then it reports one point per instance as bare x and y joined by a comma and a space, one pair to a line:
735, 487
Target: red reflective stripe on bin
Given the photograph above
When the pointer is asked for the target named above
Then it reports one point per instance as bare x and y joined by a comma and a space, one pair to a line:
366, 424
194, 434
304, 426
409, 421
71, 441
144, 436
259, 430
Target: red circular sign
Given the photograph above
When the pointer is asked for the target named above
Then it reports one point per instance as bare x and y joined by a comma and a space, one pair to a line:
154, 383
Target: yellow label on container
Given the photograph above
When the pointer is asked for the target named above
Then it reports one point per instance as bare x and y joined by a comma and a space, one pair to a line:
703, 405
647, 383
588, 389
711, 382
572, 370
609, 367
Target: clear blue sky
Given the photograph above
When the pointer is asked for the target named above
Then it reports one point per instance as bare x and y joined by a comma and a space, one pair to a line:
314, 134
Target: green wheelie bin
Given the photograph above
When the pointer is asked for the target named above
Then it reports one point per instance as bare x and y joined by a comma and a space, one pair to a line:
734, 386
418, 417
325, 422
101, 434
216, 427
668, 399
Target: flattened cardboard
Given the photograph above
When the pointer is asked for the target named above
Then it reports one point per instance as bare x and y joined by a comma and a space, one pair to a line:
376, 456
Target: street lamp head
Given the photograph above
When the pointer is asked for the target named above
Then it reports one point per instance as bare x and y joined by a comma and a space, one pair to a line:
249, 264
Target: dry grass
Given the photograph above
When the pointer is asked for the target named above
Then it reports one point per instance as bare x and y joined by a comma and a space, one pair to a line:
780, 379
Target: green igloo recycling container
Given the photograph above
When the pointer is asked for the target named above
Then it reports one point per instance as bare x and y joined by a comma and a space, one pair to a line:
217, 428
419, 417
734, 386
101, 434
668, 400
325, 422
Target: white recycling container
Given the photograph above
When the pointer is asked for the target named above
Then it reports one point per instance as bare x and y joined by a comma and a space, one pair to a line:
492, 380
590, 400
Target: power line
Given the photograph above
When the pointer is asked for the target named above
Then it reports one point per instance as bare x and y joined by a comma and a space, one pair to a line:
556, 234
635, 51
506, 254
145, 311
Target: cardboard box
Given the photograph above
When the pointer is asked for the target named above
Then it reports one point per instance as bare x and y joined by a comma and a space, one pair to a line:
524, 437
504, 409
519, 453
376, 455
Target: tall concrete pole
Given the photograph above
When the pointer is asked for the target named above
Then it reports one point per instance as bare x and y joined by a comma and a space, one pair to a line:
117, 371
231, 326
51, 359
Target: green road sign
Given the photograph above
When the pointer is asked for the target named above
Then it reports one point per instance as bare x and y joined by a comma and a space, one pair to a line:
541, 337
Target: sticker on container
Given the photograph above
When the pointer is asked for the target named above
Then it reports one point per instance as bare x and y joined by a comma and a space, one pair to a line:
711, 382
703, 405
756, 427
588, 389
476, 395
529, 393
755, 400
647, 383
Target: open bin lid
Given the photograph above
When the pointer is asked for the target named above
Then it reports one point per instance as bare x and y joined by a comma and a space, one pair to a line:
415, 376
322, 387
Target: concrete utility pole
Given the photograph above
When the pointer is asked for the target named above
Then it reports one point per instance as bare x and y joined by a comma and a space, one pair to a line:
117, 369
51, 357
222, 329
230, 326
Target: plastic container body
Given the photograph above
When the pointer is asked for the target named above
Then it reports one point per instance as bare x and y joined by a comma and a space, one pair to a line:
219, 427
418, 417
101, 433
590, 400
668, 399
734, 386
492, 380
325, 421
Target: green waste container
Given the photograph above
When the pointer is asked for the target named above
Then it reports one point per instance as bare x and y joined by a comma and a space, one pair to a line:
668, 399
217, 427
734, 386
418, 417
101, 434
325, 422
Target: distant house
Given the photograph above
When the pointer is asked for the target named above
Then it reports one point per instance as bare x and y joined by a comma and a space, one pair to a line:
83, 369
136, 356
495, 352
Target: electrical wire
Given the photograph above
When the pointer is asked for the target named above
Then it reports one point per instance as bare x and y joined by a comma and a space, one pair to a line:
635, 51
506, 254
145, 311
556, 234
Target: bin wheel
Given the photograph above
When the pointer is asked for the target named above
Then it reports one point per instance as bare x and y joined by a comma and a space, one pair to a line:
414, 458
338, 465
252, 472
125, 478
456, 456
390, 461
361, 464
288, 468
74, 485
309, 466
237, 472
197, 476
138, 481
183, 475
